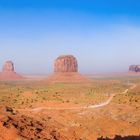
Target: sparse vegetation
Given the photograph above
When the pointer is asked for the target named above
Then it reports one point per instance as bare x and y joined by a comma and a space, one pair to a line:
121, 116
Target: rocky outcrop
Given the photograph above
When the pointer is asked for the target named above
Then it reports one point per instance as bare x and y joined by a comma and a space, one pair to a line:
66, 71
8, 72
117, 137
35, 127
66, 63
8, 66
134, 68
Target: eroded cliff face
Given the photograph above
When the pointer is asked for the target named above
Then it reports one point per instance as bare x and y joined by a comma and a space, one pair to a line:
66, 63
8, 66
134, 68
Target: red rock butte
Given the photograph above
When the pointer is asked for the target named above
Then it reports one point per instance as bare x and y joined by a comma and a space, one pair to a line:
66, 70
8, 72
66, 63
134, 68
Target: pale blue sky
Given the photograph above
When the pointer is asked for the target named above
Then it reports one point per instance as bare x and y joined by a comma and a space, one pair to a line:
104, 36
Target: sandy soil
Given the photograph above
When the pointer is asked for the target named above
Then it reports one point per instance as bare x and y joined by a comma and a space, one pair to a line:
104, 108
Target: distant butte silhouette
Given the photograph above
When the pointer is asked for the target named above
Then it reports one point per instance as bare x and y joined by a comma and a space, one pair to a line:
8, 72
134, 68
66, 70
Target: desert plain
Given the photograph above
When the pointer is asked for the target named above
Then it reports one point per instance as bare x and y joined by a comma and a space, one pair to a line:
33, 109
67, 105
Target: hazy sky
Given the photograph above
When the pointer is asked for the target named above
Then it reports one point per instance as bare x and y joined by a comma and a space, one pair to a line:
104, 35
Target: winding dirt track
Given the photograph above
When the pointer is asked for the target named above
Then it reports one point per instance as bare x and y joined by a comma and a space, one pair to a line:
39, 109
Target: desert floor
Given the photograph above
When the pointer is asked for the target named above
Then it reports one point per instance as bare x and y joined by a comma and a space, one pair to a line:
34, 109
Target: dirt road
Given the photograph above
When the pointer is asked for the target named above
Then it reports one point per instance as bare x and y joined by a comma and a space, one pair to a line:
39, 109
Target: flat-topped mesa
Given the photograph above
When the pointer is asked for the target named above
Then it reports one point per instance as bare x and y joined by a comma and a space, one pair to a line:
8, 66
8, 72
134, 68
65, 63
